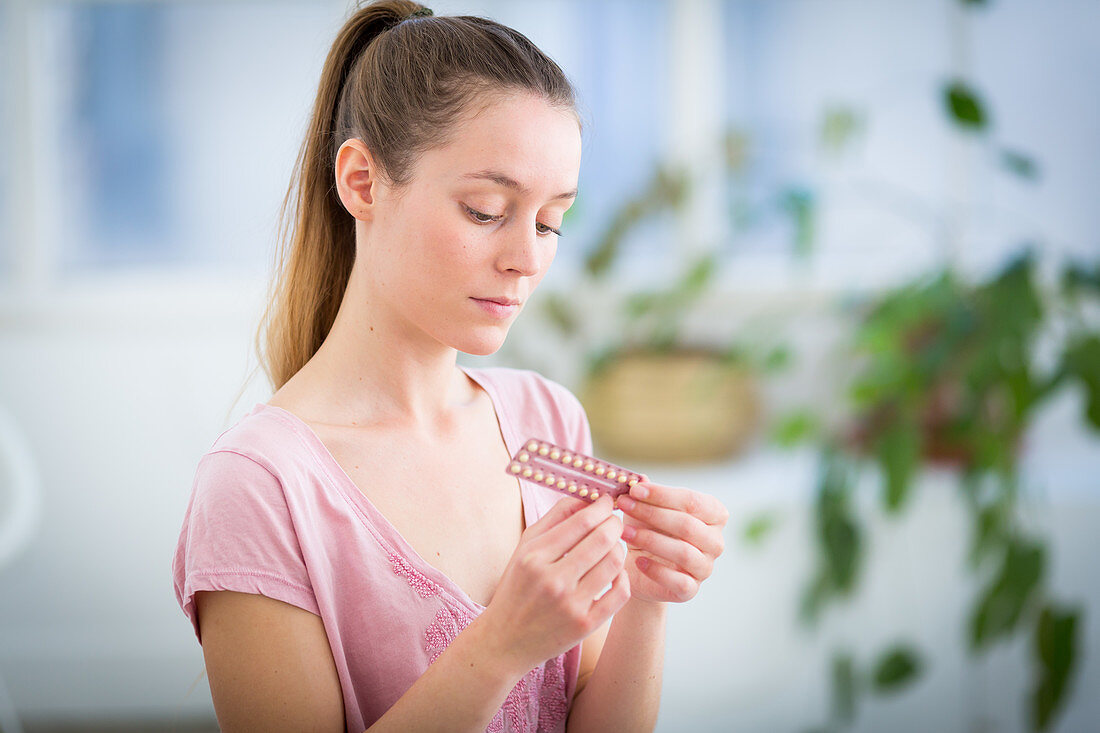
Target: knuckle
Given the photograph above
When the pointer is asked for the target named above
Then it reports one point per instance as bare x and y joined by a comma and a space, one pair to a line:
527, 563
553, 588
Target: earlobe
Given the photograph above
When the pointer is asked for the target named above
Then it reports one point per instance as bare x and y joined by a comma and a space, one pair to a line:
355, 178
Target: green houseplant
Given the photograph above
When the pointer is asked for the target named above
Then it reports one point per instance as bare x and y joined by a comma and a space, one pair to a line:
946, 375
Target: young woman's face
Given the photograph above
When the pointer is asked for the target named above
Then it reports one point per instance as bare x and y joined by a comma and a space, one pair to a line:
477, 222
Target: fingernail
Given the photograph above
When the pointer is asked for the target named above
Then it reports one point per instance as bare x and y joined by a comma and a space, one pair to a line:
625, 502
640, 491
629, 532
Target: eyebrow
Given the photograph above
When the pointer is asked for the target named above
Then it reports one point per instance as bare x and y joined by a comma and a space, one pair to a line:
509, 182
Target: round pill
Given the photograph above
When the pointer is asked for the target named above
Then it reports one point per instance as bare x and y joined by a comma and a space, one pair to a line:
523, 457
555, 453
543, 450
622, 478
526, 472
600, 470
633, 480
550, 479
594, 495
611, 473
561, 483
583, 492
532, 446
589, 466
516, 468
577, 463
538, 475
572, 488
566, 457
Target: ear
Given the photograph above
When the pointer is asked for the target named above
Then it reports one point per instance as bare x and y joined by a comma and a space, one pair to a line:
357, 178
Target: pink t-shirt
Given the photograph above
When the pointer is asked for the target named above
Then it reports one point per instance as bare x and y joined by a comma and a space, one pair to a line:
272, 512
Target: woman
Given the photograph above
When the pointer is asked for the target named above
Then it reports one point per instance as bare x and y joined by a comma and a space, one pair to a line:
354, 554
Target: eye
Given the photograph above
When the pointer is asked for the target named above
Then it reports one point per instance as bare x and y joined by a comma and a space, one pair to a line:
547, 229
480, 217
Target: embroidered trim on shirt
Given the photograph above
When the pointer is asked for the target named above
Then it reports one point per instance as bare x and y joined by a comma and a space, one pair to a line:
449, 622
424, 587
553, 706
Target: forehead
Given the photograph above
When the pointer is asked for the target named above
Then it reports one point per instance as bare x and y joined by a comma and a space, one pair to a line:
522, 136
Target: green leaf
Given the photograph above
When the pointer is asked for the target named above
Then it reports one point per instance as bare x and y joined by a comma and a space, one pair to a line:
839, 127
758, 527
898, 667
800, 204
799, 427
697, 276
898, 450
1082, 361
1020, 164
1078, 278
560, 313
991, 531
838, 533
965, 109
777, 359
1056, 647
844, 687
638, 305
1001, 603
813, 597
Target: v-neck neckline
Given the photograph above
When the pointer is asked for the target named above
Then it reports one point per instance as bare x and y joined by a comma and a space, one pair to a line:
354, 495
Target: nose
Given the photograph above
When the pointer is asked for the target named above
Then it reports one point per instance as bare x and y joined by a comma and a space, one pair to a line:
524, 251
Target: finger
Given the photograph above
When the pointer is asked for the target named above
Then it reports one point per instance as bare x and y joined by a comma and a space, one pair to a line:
602, 572
679, 586
676, 524
614, 599
563, 537
587, 552
677, 553
705, 507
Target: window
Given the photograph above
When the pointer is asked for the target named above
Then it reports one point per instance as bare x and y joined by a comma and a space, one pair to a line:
162, 134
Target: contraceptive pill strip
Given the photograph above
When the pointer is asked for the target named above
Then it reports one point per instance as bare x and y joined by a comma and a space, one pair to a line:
570, 472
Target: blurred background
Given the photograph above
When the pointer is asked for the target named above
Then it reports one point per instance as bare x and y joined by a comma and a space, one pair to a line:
835, 262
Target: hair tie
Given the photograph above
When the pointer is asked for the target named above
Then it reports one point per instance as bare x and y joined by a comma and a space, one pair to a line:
421, 13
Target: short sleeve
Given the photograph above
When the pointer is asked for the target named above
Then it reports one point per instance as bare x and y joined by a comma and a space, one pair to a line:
238, 534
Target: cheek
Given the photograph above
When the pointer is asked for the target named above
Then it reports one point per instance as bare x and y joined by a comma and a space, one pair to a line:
445, 249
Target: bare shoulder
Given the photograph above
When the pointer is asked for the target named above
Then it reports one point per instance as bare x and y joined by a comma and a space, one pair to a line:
269, 664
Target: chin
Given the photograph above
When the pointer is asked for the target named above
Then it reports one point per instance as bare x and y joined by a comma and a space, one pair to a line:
481, 345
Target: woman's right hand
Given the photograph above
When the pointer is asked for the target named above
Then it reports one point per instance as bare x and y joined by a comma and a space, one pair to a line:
546, 602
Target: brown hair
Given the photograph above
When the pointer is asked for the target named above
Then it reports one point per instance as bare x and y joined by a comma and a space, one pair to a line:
398, 82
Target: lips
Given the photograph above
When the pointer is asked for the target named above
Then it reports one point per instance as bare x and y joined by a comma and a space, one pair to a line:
501, 301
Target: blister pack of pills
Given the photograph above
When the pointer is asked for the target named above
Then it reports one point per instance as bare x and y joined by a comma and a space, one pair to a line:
570, 472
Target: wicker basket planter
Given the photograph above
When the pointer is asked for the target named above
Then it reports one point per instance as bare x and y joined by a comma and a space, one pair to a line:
675, 407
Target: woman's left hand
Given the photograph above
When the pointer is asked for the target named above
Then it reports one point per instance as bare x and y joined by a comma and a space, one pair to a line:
677, 537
